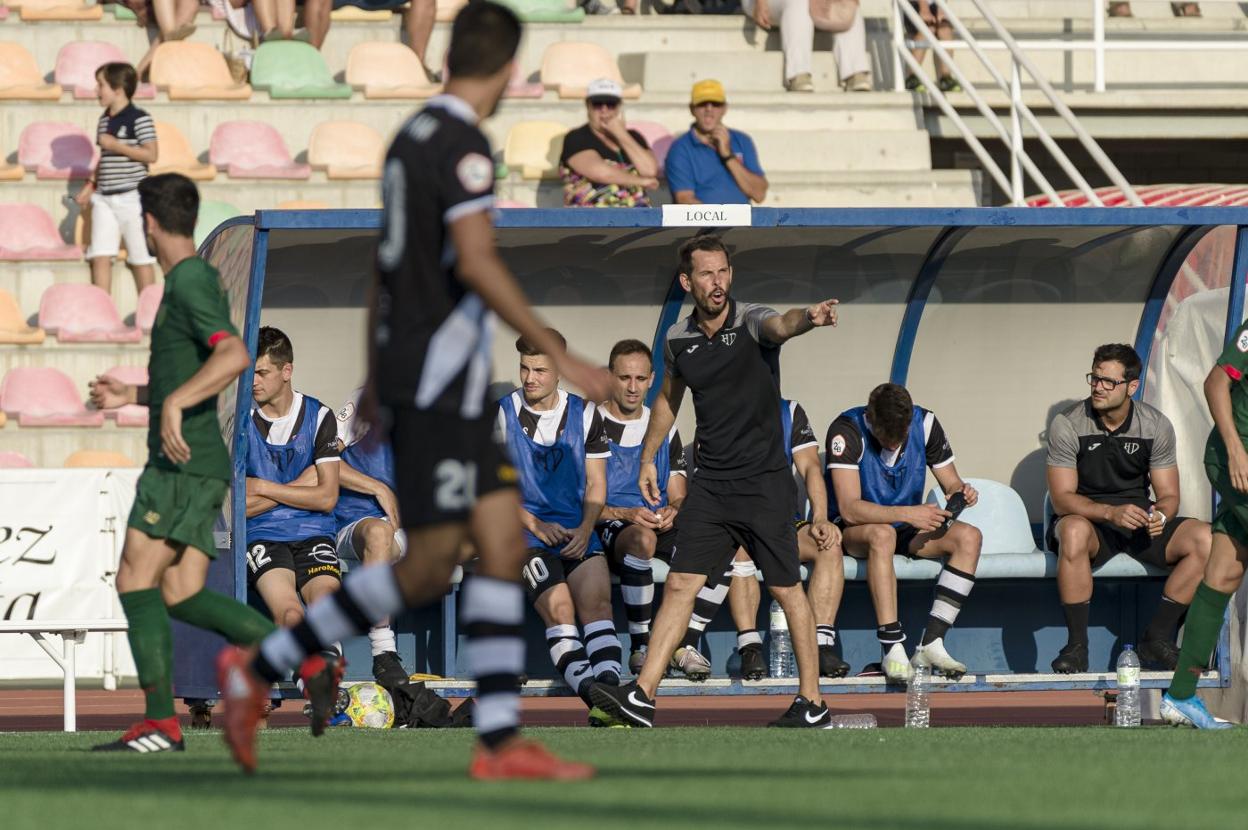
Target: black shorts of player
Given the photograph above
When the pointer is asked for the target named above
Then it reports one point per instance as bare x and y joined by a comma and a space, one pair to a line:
755, 513
1138, 545
443, 463
609, 532
546, 569
905, 535
308, 558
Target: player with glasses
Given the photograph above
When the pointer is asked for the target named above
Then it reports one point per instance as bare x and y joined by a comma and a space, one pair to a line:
1114, 483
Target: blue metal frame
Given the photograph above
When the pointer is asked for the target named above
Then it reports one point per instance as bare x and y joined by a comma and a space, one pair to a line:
668, 315
1168, 271
920, 290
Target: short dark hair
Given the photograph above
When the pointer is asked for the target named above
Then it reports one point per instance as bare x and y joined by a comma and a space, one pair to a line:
484, 38
274, 343
627, 347
172, 200
890, 410
701, 242
527, 350
1122, 353
119, 75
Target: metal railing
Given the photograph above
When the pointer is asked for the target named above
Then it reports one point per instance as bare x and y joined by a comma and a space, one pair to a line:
1020, 161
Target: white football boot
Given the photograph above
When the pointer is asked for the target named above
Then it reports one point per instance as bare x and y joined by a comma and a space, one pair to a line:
934, 656
896, 664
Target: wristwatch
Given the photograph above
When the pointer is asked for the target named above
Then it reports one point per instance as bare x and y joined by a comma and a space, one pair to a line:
727, 158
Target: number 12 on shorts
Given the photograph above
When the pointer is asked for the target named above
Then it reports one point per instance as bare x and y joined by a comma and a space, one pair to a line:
257, 558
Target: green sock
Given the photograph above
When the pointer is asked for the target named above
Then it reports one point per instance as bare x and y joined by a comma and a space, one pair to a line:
1200, 635
241, 624
151, 643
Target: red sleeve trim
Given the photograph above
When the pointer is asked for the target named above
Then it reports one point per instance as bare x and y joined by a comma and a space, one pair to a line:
1233, 372
217, 338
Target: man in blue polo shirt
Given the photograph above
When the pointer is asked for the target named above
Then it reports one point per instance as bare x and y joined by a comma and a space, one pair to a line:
712, 164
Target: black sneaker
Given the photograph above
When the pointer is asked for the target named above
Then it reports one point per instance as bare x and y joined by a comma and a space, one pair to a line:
388, 669
753, 664
608, 678
1072, 659
144, 737
914, 84
830, 663
804, 715
1159, 654
627, 704
949, 84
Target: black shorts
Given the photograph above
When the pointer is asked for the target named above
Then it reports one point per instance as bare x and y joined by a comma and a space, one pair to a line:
755, 513
308, 558
545, 569
609, 532
1138, 545
905, 535
443, 463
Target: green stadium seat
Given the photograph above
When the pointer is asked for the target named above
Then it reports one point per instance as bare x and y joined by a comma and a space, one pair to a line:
545, 11
290, 69
212, 214
120, 12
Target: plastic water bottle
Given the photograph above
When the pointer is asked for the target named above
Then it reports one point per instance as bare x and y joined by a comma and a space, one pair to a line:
1127, 712
781, 643
858, 721
918, 714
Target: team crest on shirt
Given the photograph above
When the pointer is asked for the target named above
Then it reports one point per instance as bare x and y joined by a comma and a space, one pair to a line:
838, 445
347, 411
475, 172
1131, 447
728, 338
1242, 342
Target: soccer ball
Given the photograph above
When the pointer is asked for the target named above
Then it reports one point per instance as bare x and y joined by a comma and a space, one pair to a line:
370, 705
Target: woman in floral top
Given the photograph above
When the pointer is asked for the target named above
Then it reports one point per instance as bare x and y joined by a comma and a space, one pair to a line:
603, 163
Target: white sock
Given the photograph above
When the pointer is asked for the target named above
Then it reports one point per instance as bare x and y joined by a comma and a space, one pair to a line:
381, 640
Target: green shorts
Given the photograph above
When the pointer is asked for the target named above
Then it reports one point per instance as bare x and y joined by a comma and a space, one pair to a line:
1232, 515
180, 507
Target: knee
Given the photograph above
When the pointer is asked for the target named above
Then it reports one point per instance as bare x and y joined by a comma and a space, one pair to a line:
1074, 537
378, 538
681, 584
1202, 542
289, 616
881, 541
968, 540
641, 543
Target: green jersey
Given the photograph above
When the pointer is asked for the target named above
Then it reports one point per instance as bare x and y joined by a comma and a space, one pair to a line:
194, 316
1233, 361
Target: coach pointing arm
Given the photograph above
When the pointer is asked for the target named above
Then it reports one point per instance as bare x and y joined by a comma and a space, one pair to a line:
784, 327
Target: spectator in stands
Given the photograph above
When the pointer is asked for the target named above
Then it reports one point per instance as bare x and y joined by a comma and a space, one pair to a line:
175, 20
418, 19
935, 19
275, 20
797, 39
711, 163
127, 139
1120, 8
560, 448
603, 163
292, 486
878, 457
1105, 454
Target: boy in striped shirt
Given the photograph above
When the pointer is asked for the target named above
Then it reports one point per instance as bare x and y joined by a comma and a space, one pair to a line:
127, 139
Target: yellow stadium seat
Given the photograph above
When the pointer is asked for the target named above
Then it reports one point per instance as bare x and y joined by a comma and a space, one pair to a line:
58, 10
346, 150
195, 71
10, 172
533, 148
98, 458
302, 204
354, 14
20, 78
569, 67
388, 70
13, 328
176, 155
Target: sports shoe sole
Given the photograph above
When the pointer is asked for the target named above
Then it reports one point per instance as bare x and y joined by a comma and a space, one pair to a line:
321, 691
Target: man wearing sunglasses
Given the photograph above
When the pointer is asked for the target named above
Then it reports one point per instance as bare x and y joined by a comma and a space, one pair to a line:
1105, 455
603, 163
712, 164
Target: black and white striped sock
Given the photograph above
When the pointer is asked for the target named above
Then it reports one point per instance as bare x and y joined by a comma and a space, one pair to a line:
637, 588
705, 606
569, 657
952, 589
493, 618
890, 634
825, 635
367, 597
749, 637
604, 649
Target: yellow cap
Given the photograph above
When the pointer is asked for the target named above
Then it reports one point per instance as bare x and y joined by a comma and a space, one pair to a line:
704, 91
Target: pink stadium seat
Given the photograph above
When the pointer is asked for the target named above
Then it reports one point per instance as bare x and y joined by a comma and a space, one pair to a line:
195, 71
253, 150
41, 396
78, 313
510, 203
56, 150
20, 77
10, 460
4, 12
657, 136
520, 87
130, 415
77, 62
149, 303
28, 233
13, 328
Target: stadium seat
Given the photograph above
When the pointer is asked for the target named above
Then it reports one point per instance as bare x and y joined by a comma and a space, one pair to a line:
41, 396
569, 66
212, 214
98, 458
77, 62
10, 460
354, 14
130, 415
290, 69
13, 327
66, 10
510, 203
521, 87
545, 11
4, 12
28, 233
533, 147
78, 313
657, 136
302, 204
999, 514
253, 150
149, 303
346, 150
20, 78
10, 172
194, 71
56, 150
176, 155
388, 70
447, 9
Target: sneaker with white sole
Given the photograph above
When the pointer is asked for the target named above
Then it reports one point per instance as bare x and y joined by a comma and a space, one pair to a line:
803, 714
896, 664
689, 661
934, 656
1190, 712
624, 704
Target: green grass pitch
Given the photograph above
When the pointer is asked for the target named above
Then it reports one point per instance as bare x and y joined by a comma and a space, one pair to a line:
939, 779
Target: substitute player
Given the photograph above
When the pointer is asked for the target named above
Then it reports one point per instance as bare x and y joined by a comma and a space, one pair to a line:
439, 280
742, 492
196, 353
1226, 464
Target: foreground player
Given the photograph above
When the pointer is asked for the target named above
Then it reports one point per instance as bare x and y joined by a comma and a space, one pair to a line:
742, 492
196, 352
439, 276
1226, 464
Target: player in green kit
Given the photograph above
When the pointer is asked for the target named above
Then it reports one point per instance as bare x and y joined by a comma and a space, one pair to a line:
1226, 464
196, 353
